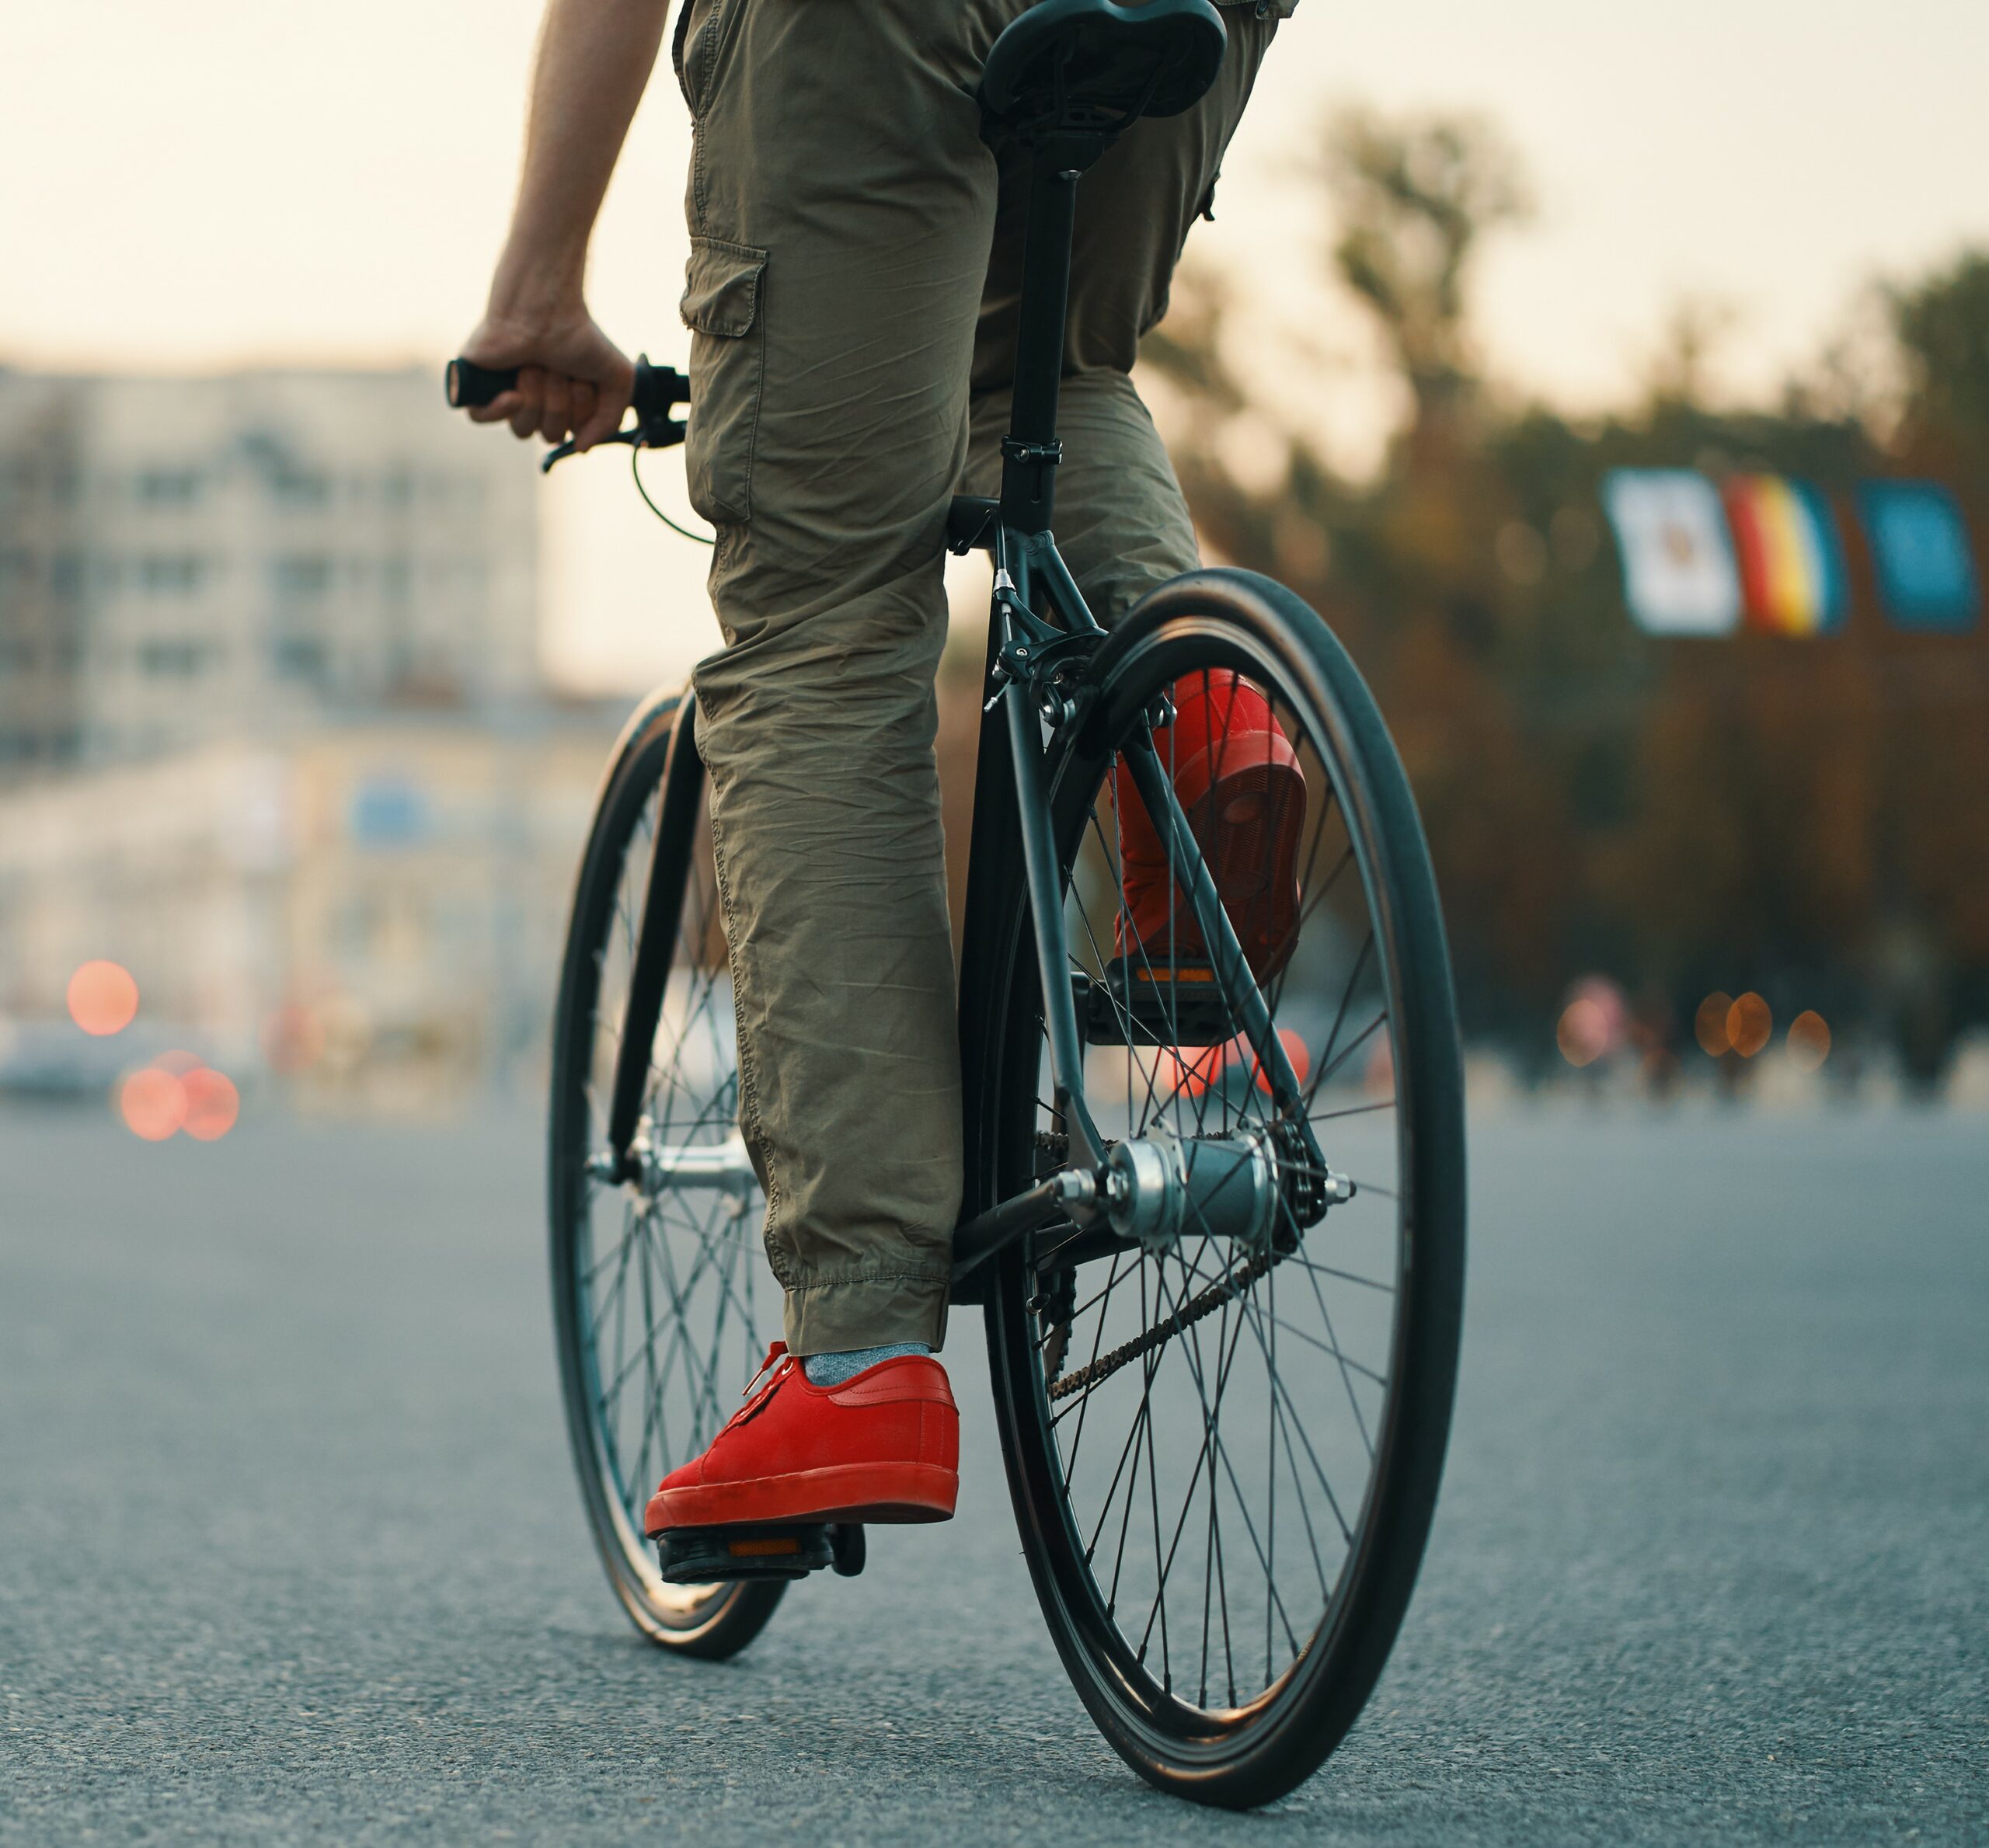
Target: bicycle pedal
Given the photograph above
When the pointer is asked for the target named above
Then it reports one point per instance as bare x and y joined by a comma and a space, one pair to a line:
711, 1555
1143, 1004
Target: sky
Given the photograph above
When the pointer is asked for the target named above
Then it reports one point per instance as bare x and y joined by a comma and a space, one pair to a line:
219, 181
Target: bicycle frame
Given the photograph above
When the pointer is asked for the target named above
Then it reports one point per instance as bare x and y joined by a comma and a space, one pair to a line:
1036, 674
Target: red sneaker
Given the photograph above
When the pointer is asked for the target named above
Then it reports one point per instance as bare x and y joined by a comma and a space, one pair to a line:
883, 1445
1244, 795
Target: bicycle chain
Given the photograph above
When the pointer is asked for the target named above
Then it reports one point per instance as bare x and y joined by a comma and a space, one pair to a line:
1055, 1145
1225, 1290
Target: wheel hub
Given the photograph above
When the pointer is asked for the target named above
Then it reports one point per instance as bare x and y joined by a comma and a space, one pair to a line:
1159, 1188
720, 1168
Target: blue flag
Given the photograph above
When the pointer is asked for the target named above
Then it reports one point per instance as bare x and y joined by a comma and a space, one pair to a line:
1920, 552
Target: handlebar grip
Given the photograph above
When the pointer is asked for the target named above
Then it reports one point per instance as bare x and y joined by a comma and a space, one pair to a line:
466, 383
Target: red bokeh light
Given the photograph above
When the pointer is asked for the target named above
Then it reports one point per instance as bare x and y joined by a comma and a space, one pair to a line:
1808, 1040
1195, 1069
1749, 1024
153, 1103
1583, 1033
103, 999
212, 1104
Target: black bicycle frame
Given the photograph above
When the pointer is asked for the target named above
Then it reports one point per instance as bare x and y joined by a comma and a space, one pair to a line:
1032, 661
663, 906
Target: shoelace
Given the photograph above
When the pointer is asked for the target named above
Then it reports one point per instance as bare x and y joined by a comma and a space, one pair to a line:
773, 1369
776, 1353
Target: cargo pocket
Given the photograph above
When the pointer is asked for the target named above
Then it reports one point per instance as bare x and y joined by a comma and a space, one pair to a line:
728, 360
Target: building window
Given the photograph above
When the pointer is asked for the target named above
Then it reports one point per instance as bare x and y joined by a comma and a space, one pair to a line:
169, 485
172, 660
305, 574
302, 658
171, 574
299, 488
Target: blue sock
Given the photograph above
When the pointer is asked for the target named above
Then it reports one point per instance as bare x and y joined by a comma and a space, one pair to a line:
833, 1369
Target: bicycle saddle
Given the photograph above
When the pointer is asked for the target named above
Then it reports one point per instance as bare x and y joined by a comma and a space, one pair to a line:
1093, 66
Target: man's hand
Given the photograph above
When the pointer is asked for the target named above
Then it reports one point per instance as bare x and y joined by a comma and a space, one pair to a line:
594, 57
573, 380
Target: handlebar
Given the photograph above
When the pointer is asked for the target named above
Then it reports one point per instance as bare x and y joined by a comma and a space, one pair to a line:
656, 391
466, 384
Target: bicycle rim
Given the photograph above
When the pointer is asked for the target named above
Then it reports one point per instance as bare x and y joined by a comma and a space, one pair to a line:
1224, 1460
660, 1312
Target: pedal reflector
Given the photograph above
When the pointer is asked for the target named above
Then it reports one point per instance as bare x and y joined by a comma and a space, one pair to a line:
712, 1555
1141, 1003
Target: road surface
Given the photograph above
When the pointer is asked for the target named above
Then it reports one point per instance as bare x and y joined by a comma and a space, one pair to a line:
290, 1551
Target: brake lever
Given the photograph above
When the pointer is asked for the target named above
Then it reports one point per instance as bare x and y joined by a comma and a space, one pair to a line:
658, 430
633, 436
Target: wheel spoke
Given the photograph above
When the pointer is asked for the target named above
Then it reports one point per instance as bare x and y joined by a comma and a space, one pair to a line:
1239, 1411
666, 1302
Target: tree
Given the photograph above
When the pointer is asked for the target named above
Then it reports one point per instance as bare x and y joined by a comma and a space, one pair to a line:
1415, 197
1942, 326
1801, 817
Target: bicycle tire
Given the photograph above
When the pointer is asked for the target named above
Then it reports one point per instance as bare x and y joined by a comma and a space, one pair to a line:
712, 1621
1236, 1752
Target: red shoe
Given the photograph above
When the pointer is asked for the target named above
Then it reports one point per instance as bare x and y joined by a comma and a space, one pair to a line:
1244, 795
883, 1445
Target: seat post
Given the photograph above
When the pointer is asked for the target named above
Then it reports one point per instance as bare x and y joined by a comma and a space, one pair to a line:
1030, 451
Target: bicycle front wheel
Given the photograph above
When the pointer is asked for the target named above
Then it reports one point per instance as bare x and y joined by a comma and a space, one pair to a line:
1225, 1455
659, 1311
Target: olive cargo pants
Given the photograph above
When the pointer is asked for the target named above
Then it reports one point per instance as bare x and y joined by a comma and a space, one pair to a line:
855, 257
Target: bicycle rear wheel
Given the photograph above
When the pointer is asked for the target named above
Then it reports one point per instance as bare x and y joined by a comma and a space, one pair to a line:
1224, 1457
659, 1310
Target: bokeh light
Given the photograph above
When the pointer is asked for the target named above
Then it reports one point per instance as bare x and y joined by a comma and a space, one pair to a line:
1595, 1020
1294, 1050
1191, 1070
103, 999
153, 1103
1749, 1024
1195, 1069
293, 1039
212, 1104
1583, 1033
1808, 1040
1709, 1024
1379, 1080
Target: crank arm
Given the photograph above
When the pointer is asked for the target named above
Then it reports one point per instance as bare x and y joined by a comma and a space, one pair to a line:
1074, 1192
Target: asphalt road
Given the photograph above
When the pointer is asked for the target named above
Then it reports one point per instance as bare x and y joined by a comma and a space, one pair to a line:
289, 1549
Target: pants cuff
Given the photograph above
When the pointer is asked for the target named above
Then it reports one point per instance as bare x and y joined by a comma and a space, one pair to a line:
836, 1315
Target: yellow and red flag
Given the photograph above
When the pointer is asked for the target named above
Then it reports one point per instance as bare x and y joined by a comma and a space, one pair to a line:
1785, 542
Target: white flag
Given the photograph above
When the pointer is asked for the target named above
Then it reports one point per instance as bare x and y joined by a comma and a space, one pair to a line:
1679, 576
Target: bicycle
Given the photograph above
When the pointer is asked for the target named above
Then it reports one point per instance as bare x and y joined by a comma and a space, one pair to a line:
1223, 1493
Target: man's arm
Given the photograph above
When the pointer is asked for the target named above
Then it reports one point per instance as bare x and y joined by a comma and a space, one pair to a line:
595, 59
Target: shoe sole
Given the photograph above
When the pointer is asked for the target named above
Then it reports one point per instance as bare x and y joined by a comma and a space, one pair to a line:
903, 1492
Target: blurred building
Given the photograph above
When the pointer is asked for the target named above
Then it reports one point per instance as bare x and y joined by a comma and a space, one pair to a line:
371, 912
186, 559
273, 735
